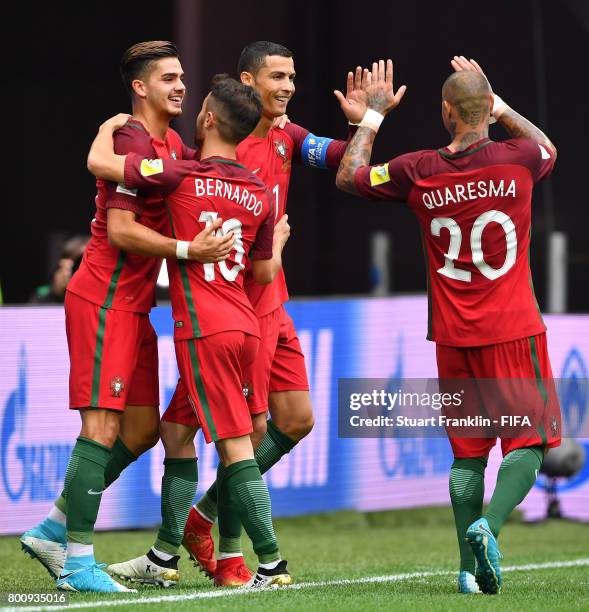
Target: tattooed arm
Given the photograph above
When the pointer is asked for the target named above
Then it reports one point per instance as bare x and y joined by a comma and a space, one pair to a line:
515, 125
519, 127
378, 88
357, 155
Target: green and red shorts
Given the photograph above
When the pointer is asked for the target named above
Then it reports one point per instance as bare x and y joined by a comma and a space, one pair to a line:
511, 378
113, 356
212, 387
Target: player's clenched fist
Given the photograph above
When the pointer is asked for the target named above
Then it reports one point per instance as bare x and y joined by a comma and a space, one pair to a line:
208, 247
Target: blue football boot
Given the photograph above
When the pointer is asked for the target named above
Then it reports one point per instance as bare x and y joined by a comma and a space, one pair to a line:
487, 553
84, 575
46, 543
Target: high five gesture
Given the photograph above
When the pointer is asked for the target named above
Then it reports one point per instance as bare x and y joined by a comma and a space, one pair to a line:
380, 98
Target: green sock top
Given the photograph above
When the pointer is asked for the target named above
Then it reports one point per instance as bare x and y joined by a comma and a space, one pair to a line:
93, 451
281, 439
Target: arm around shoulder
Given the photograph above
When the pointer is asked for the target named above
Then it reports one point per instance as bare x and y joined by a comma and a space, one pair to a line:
102, 161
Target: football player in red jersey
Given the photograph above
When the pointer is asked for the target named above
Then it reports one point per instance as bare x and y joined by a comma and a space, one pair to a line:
278, 382
113, 348
216, 329
473, 202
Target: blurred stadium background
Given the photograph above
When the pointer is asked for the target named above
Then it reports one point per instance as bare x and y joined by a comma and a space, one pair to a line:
66, 83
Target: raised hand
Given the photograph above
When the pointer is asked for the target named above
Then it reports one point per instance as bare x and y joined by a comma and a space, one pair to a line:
378, 86
460, 63
207, 247
354, 102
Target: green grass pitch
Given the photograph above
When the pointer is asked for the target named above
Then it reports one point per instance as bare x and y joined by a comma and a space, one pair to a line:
333, 557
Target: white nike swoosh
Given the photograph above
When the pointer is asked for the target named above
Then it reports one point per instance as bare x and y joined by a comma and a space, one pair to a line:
544, 152
91, 492
256, 170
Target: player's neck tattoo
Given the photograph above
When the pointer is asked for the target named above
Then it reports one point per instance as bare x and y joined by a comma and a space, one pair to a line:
463, 141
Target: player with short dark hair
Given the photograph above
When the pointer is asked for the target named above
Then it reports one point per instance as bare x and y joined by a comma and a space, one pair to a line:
113, 347
138, 61
215, 327
253, 56
235, 107
278, 382
473, 202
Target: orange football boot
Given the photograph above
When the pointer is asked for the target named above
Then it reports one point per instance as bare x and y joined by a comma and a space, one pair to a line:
199, 543
232, 572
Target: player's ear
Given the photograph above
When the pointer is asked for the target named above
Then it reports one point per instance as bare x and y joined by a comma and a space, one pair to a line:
139, 88
447, 109
209, 120
247, 78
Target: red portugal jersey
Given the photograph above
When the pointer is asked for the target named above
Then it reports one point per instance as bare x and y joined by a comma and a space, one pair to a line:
108, 276
474, 209
209, 298
270, 159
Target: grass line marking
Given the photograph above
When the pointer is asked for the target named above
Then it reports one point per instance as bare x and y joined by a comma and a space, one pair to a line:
302, 585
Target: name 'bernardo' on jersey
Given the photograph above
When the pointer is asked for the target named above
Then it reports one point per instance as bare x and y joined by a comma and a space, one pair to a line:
222, 189
469, 191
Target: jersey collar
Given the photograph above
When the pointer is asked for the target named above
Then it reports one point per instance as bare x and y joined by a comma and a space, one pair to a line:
474, 147
223, 160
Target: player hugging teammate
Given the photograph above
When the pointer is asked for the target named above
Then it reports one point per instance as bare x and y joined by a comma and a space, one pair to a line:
152, 73
207, 211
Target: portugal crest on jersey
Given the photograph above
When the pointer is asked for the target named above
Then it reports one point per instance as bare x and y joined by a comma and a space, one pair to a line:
281, 149
248, 389
554, 426
117, 385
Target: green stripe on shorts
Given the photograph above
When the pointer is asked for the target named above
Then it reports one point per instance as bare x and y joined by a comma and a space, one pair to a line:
98, 358
539, 383
200, 389
101, 328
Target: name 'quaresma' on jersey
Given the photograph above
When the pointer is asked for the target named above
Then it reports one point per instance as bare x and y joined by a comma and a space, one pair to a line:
209, 298
474, 209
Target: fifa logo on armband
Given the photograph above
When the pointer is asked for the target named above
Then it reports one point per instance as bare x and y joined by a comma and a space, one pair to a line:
117, 385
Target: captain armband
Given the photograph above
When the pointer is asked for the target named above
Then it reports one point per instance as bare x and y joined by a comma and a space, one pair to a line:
314, 151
